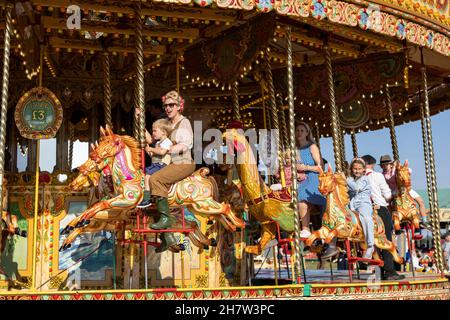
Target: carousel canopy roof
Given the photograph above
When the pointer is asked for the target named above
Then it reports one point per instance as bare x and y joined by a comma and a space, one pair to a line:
218, 42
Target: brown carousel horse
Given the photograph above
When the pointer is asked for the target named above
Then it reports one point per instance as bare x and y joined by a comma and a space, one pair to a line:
338, 221
121, 155
403, 207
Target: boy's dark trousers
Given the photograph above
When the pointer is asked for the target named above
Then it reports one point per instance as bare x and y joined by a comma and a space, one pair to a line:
386, 216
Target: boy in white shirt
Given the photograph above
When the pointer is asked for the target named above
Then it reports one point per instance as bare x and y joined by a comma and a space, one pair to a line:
161, 130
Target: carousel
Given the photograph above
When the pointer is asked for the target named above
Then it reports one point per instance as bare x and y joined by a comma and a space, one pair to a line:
90, 74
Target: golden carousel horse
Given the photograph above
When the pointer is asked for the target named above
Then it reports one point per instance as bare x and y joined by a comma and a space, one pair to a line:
265, 205
403, 207
113, 220
341, 222
122, 155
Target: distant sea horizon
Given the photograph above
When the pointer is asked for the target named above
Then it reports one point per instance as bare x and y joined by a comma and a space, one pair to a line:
443, 197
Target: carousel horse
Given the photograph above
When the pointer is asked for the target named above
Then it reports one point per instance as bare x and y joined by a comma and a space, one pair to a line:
267, 206
403, 207
112, 220
341, 222
121, 155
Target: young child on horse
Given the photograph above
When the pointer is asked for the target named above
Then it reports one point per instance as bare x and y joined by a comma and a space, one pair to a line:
359, 193
161, 131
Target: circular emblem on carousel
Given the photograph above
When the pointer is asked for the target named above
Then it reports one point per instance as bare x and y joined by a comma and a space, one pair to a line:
319, 9
354, 115
38, 114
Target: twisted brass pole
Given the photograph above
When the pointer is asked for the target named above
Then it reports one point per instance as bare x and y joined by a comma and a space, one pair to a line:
290, 77
354, 144
235, 100
426, 156
263, 94
335, 125
107, 89
274, 115
392, 125
4, 108
139, 102
435, 206
72, 135
342, 143
283, 133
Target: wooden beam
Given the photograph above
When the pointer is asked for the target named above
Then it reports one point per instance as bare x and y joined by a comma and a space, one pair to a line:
119, 28
148, 9
92, 45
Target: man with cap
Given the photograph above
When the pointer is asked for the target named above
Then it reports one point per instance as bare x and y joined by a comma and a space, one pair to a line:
381, 195
388, 166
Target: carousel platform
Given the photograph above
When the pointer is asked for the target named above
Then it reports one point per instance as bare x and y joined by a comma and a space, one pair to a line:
319, 286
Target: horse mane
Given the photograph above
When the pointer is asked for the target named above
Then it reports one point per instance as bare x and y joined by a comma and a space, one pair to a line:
135, 149
341, 185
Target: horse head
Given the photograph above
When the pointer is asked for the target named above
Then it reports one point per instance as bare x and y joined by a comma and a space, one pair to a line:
403, 176
110, 144
326, 181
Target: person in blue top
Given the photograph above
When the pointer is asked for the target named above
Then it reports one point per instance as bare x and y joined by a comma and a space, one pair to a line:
360, 201
308, 162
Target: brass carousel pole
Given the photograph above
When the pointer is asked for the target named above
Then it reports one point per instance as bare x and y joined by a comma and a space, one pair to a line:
354, 144
5, 85
274, 116
237, 116
435, 206
235, 101
263, 94
335, 127
71, 137
290, 78
342, 143
139, 101
107, 94
425, 154
182, 235
392, 125
283, 133
276, 126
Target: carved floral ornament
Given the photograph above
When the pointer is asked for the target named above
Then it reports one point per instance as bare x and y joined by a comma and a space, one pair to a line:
367, 18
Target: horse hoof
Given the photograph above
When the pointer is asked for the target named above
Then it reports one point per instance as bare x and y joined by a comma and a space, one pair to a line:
213, 242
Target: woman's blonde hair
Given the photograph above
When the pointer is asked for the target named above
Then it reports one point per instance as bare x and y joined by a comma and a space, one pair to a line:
164, 125
174, 96
309, 137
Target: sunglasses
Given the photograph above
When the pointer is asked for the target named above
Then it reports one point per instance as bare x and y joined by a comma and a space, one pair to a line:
170, 105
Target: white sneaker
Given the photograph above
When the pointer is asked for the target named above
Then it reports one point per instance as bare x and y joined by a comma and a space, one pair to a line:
369, 252
305, 233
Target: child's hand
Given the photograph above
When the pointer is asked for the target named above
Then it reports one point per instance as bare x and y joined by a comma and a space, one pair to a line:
148, 149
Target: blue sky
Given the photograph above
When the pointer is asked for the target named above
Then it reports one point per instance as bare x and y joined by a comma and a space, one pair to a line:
409, 138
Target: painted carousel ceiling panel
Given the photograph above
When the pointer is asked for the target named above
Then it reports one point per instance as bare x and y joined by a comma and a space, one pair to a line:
228, 55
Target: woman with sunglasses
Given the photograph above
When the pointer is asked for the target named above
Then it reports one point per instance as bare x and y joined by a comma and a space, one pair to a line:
181, 166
